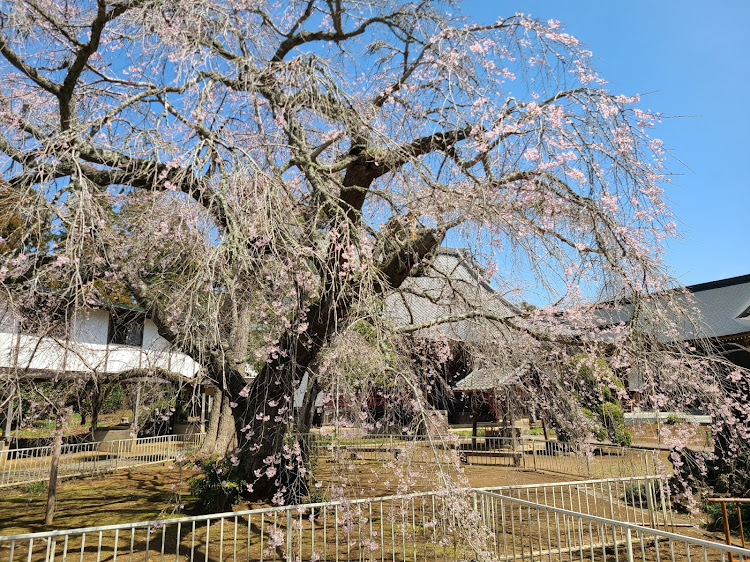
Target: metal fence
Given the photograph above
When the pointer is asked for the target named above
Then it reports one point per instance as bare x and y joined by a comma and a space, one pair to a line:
24, 466
642, 500
597, 461
411, 527
525, 530
465, 525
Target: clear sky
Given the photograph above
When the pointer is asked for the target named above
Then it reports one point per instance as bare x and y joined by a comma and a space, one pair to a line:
693, 59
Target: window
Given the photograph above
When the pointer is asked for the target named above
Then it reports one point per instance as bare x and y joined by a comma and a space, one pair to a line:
126, 327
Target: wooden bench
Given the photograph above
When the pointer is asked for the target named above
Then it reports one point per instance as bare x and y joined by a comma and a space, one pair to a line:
495, 453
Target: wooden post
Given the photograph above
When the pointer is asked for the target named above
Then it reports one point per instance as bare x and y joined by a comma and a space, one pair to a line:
135, 411
726, 526
739, 518
203, 410
54, 464
9, 417
727, 533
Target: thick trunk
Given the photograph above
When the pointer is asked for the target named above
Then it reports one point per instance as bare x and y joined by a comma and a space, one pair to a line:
267, 411
226, 437
214, 415
54, 463
221, 437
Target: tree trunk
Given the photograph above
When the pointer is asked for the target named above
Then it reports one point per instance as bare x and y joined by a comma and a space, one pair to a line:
54, 463
96, 406
226, 436
209, 440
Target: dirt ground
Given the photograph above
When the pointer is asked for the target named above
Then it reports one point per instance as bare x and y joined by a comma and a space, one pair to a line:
660, 434
140, 494
153, 492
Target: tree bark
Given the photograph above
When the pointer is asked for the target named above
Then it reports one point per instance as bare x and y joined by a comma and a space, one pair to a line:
226, 437
54, 464
209, 441
96, 406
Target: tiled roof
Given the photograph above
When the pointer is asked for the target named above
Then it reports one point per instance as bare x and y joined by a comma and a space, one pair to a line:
487, 378
451, 285
723, 307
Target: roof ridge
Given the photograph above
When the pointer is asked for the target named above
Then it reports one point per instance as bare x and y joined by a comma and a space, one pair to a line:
719, 283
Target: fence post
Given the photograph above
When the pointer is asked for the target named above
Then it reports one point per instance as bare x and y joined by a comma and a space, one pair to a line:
628, 544
289, 556
533, 451
169, 447
650, 501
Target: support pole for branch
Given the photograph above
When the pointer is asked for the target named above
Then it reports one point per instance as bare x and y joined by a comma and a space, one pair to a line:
135, 411
54, 464
9, 417
203, 410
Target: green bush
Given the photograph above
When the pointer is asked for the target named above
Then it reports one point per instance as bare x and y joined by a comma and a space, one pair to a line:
115, 400
599, 431
673, 419
716, 519
219, 487
637, 494
613, 419
36, 488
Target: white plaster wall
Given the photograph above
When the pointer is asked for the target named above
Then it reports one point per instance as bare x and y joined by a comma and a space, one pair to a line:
90, 326
151, 337
87, 349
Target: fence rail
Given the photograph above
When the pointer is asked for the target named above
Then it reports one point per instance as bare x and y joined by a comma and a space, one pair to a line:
642, 500
464, 525
525, 530
25, 466
596, 461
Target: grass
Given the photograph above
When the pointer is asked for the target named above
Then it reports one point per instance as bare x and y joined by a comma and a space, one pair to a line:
36, 488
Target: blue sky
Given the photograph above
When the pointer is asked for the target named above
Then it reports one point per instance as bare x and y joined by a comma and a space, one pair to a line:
693, 59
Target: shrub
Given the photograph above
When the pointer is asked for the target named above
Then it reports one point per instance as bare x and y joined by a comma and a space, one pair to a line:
716, 519
614, 420
636, 494
36, 488
673, 419
219, 487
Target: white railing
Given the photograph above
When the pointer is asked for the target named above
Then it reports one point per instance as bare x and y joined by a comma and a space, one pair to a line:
410, 527
525, 530
465, 525
598, 461
642, 500
24, 466
594, 461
